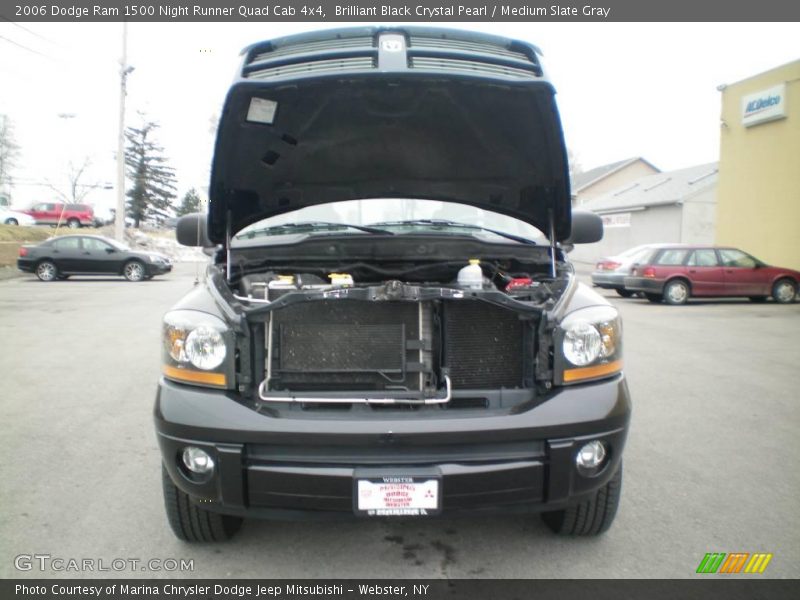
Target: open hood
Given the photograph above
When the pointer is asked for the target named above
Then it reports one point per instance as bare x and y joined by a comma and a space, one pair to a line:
288, 141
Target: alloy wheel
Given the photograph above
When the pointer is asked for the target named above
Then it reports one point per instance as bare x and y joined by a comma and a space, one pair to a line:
46, 271
134, 271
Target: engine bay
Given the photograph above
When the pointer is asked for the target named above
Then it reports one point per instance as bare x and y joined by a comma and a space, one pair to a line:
393, 331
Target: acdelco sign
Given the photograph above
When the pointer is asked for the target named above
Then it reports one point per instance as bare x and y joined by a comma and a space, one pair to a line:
764, 106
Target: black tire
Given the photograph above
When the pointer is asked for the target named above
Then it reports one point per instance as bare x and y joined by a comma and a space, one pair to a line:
654, 298
624, 293
73, 223
590, 517
47, 270
676, 292
134, 270
12, 221
784, 291
192, 523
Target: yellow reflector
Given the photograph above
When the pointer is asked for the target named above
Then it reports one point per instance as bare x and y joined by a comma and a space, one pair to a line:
571, 375
194, 376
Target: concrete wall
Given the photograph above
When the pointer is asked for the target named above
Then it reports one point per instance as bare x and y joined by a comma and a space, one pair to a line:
652, 225
616, 180
758, 207
698, 223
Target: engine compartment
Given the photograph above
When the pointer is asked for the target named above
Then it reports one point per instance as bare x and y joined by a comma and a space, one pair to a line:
394, 331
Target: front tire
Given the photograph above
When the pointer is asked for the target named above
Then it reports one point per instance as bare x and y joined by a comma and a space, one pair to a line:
73, 223
192, 523
592, 516
676, 292
134, 271
12, 221
46, 270
784, 291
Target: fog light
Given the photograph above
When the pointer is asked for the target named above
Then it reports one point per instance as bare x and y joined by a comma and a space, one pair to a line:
197, 460
591, 456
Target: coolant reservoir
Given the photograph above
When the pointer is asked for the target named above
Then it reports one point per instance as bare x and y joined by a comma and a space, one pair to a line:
471, 276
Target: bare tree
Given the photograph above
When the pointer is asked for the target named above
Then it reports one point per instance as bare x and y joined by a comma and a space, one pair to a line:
76, 189
9, 151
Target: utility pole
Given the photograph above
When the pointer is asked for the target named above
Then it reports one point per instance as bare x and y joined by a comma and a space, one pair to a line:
125, 70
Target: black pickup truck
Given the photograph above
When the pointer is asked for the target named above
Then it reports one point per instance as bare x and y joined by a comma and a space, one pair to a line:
390, 327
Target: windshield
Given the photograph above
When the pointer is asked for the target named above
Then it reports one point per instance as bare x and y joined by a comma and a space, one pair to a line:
395, 216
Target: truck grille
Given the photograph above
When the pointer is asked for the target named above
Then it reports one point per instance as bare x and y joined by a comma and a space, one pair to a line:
346, 345
483, 345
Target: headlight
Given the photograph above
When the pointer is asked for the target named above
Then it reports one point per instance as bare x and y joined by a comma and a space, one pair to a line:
195, 348
591, 344
205, 348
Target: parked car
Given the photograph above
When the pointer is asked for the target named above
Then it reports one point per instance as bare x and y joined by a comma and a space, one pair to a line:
60, 257
58, 213
375, 337
676, 273
15, 217
610, 272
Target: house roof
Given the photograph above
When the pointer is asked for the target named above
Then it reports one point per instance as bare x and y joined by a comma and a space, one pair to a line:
672, 187
581, 181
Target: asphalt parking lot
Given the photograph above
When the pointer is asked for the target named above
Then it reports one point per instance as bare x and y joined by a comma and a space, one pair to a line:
711, 463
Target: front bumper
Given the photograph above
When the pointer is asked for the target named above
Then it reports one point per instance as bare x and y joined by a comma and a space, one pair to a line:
159, 268
305, 467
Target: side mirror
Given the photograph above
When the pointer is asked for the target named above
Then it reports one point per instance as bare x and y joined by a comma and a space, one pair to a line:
587, 228
192, 230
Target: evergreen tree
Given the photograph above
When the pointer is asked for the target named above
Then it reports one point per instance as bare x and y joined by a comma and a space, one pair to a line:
190, 203
153, 189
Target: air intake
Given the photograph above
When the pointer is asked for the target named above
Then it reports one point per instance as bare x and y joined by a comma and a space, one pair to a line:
472, 67
315, 67
451, 45
332, 45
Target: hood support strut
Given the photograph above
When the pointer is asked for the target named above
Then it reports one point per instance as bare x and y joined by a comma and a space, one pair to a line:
552, 236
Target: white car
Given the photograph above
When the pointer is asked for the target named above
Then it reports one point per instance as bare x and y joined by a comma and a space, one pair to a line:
13, 217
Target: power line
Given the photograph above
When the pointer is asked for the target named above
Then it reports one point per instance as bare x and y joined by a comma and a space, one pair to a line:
26, 48
41, 37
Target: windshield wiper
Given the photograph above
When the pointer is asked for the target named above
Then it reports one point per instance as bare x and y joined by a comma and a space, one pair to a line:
307, 226
457, 225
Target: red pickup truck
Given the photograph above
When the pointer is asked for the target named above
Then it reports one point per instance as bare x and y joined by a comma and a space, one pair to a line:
55, 213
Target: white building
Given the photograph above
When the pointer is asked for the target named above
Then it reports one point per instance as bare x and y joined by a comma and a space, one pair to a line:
675, 207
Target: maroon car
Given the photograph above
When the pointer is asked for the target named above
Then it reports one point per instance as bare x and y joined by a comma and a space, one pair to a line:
58, 213
676, 273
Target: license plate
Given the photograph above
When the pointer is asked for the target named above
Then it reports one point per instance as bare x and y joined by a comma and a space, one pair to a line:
397, 496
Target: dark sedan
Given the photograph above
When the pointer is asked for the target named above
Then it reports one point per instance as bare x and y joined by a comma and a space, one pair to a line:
60, 257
